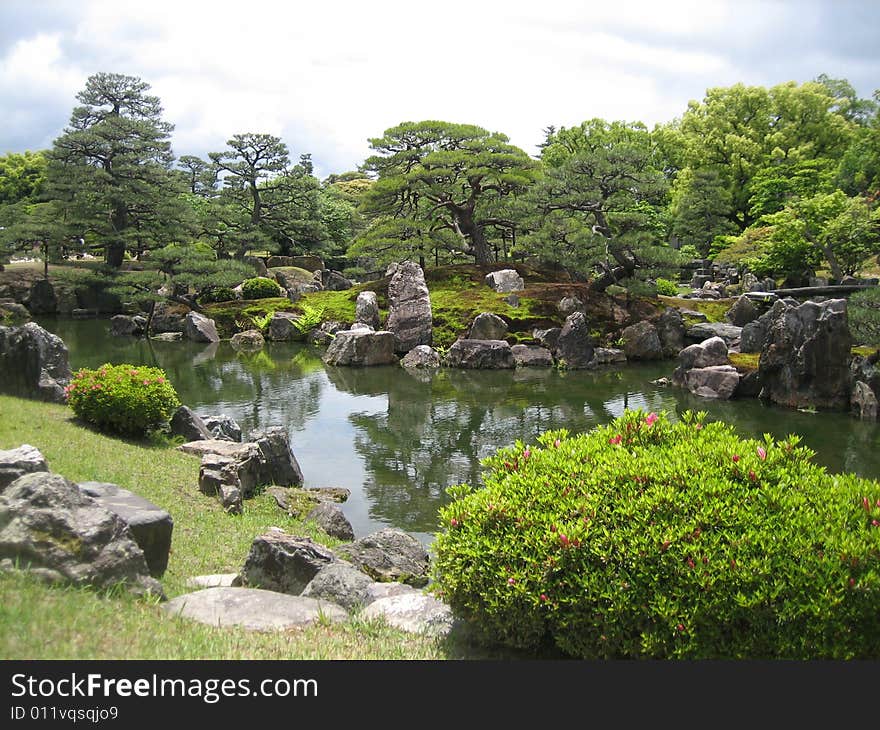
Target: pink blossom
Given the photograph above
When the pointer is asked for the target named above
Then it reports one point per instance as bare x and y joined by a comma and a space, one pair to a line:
651, 418
753, 476
556, 443
527, 453
453, 522
762, 454
544, 597
735, 458
511, 581
615, 440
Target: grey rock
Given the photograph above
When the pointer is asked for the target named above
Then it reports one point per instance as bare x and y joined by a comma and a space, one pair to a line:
608, 356
488, 326
863, 402
386, 590
531, 356
331, 520
48, 524
641, 342
215, 580
190, 426
334, 281
282, 328
41, 298
33, 363
367, 309
281, 466
705, 330
705, 354
307, 262
743, 311
14, 463
168, 337
330, 494
570, 305
241, 465
548, 338
199, 328
717, 381
284, 563
414, 612
575, 346
123, 325
671, 331
388, 555
324, 335
421, 356
167, 318
230, 498
13, 313
222, 427
752, 337
341, 583
252, 609
480, 355
409, 312
361, 348
150, 525
505, 280
248, 341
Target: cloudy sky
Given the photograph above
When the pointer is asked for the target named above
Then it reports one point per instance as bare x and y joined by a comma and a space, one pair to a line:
326, 76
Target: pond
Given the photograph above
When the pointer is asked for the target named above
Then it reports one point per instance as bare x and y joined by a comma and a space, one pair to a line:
397, 439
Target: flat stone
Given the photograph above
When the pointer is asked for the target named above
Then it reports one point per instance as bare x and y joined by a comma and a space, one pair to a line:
221, 447
253, 609
414, 612
215, 580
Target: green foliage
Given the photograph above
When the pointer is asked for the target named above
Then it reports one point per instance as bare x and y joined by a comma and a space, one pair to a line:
259, 287
649, 539
702, 209
217, 294
667, 288
310, 317
125, 399
863, 312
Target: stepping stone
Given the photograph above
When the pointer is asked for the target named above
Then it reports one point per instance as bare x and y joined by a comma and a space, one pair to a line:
216, 580
253, 609
414, 612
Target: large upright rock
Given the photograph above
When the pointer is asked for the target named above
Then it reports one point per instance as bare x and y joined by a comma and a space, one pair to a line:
33, 363
488, 326
409, 312
366, 309
806, 355
506, 280
361, 347
41, 298
575, 346
49, 526
670, 330
641, 342
281, 466
284, 563
186, 423
199, 328
743, 311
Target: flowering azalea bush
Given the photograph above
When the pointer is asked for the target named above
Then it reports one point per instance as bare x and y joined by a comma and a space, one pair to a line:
126, 399
647, 538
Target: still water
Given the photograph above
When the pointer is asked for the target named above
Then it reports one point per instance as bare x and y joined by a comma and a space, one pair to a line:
397, 439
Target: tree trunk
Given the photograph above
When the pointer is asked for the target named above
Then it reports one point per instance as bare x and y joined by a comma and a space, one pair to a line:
828, 253
115, 254
480, 249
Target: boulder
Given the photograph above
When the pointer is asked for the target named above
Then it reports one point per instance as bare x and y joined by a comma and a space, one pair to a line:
15, 463
480, 355
150, 525
49, 526
292, 278
505, 280
575, 346
806, 356
409, 310
284, 563
341, 583
334, 281
122, 325
168, 318
13, 314
366, 309
421, 356
187, 424
241, 466
252, 609
41, 298
863, 402
488, 326
214, 580
743, 311
322, 336
231, 498
248, 341
259, 265
199, 328
281, 466
388, 555
641, 342
706, 330
570, 305
531, 356
414, 612
608, 356
33, 363
331, 520
671, 331
361, 347
222, 427
282, 327
716, 381
708, 353
309, 263
168, 337
548, 338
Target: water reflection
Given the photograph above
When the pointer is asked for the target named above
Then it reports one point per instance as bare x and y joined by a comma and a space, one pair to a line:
397, 439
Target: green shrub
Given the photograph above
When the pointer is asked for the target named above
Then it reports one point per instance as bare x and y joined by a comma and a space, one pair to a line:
126, 399
217, 294
667, 288
864, 316
260, 288
649, 539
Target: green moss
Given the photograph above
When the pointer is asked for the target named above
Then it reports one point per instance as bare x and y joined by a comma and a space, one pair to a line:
714, 309
864, 351
744, 361
237, 316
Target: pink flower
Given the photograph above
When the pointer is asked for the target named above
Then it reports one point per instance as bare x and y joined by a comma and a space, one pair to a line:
690, 562
564, 540
615, 440
146, 382
511, 581
735, 458
761, 453
651, 418
699, 427
527, 453
866, 503
453, 522
556, 443
679, 627
753, 476
544, 597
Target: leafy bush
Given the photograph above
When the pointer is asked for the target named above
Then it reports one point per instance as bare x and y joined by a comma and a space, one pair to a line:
645, 538
864, 316
217, 294
126, 399
667, 288
310, 318
260, 288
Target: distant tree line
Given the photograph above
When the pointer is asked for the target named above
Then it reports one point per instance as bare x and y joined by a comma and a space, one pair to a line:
784, 180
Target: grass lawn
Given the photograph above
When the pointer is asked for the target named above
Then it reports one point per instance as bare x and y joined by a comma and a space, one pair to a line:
41, 622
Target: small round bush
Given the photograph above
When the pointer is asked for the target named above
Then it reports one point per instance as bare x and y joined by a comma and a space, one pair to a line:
667, 288
217, 294
260, 288
648, 539
125, 399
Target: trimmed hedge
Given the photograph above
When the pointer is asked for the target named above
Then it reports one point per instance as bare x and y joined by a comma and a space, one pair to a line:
125, 399
260, 288
649, 539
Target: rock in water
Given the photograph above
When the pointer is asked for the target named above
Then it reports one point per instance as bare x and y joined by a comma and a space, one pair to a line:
421, 356
641, 342
480, 355
33, 363
409, 314
198, 328
367, 309
575, 346
362, 348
